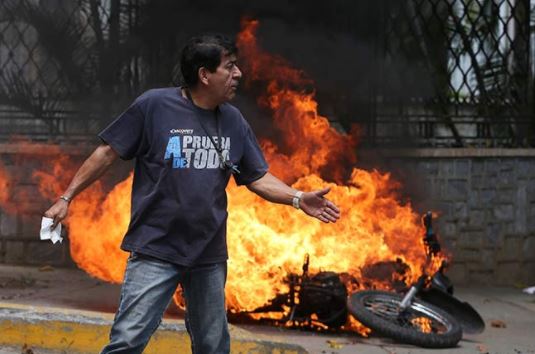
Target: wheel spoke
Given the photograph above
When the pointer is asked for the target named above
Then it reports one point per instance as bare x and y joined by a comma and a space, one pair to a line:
420, 323
412, 317
385, 309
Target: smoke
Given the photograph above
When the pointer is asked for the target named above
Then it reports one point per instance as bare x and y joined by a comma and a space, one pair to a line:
357, 70
348, 48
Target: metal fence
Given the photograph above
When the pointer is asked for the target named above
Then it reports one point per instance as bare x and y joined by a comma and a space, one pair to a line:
476, 57
448, 72
64, 66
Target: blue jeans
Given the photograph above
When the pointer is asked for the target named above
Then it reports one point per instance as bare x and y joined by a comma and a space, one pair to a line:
148, 288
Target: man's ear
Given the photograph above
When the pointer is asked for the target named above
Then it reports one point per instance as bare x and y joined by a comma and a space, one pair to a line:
203, 75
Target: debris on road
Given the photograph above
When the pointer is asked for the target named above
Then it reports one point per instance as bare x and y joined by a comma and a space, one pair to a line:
46, 268
334, 344
498, 324
483, 349
26, 349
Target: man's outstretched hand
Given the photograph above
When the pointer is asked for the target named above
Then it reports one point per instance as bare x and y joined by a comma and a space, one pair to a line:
316, 205
312, 203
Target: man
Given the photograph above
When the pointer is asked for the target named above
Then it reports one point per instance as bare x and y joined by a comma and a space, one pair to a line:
187, 142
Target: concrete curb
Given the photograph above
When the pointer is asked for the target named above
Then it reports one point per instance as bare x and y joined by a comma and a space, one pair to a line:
83, 332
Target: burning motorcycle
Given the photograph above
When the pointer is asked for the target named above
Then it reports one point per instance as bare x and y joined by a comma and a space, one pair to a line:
426, 315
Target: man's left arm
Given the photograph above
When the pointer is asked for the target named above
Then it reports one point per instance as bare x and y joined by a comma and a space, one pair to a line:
312, 203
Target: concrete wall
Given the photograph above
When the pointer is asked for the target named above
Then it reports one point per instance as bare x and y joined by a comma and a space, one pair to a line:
22, 207
486, 201
485, 197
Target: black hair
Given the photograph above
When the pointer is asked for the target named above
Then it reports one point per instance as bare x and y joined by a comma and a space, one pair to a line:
204, 51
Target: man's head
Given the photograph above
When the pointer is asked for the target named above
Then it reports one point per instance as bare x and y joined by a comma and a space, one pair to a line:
208, 62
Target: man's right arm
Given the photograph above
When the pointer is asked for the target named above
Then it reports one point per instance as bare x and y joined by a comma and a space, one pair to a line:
95, 165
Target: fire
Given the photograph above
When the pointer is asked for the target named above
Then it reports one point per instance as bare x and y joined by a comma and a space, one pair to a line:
4, 185
358, 327
267, 241
423, 323
96, 233
312, 145
97, 221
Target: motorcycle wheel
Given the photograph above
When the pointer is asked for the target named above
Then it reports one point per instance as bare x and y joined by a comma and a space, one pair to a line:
421, 324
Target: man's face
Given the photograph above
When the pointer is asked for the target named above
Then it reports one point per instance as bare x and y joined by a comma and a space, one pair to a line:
224, 81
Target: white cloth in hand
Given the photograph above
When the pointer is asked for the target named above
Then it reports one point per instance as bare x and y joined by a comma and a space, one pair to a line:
47, 233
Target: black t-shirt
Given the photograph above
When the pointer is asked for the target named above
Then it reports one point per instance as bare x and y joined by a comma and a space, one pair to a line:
179, 203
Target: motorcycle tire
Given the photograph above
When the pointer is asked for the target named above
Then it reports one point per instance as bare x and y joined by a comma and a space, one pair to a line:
379, 310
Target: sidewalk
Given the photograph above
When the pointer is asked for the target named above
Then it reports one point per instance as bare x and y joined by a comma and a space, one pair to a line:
54, 299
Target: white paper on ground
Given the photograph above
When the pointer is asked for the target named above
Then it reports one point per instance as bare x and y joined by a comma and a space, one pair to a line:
530, 290
47, 233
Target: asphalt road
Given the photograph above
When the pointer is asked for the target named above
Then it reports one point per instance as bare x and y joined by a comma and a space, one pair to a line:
70, 288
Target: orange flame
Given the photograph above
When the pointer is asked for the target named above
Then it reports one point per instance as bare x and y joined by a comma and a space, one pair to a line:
313, 145
423, 323
267, 241
4, 185
96, 223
